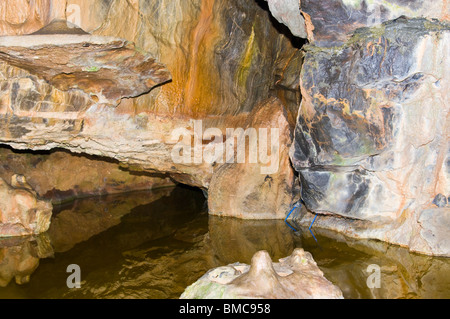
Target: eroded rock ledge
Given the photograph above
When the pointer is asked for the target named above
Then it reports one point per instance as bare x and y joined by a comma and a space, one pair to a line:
108, 69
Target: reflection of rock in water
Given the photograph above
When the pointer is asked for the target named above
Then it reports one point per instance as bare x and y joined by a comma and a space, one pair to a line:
155, 252
19, 258
345, 261
238, 240
162, 247
86, 218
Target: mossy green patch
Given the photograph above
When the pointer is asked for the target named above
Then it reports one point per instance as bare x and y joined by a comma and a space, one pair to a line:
91, 69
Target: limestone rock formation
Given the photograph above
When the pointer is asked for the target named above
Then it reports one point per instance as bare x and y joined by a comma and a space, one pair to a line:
371, 141
224, 58
107, 69
288, 12
294, 277
21, 212
331, 22
60, 176
262, 188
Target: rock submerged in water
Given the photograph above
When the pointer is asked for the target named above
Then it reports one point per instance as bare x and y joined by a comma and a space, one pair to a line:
293, 277
21, 212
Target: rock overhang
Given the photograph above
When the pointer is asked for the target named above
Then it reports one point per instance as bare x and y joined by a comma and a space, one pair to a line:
106, 68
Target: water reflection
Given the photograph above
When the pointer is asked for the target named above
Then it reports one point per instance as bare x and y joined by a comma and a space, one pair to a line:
19, 258
155, 244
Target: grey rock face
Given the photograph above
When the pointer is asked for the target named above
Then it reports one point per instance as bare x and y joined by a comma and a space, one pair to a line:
440, 200
371, 140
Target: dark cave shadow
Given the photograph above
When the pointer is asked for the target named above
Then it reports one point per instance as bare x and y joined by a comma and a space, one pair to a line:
97, 158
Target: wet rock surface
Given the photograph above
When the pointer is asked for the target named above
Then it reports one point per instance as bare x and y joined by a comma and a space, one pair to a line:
358, 146
294, 277
22, 213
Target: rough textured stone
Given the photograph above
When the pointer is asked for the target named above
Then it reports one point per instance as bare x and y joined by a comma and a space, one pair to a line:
371, 141
218, 51
434, 227
60, 176
294, 277
106, 68
440, 200
222, 64
288, 12
21, 212
331, 22
246, 190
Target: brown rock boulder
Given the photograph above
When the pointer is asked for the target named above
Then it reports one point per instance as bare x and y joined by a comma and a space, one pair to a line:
21, 212
261, 189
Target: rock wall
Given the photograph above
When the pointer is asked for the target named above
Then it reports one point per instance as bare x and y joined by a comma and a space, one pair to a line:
60, 176
331, 22
372, 141
372, 135
22, 213
371, 138
224, 57
257, 190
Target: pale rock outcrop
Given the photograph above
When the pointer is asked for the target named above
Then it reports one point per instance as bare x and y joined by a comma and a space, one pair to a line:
288, 12
21, 212
293, 277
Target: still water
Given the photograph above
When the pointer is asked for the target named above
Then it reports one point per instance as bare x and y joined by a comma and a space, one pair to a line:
154, 244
